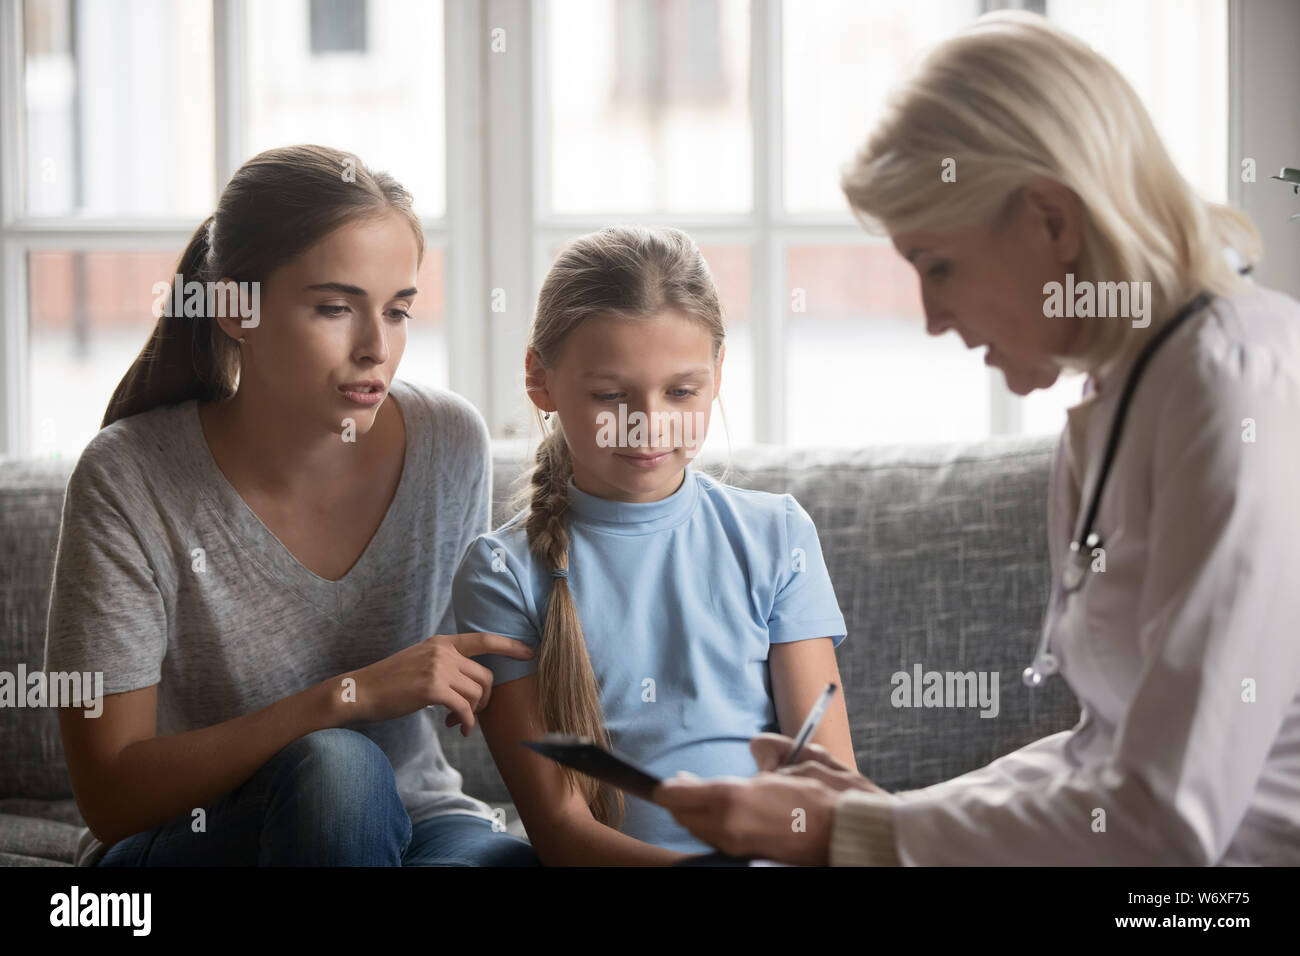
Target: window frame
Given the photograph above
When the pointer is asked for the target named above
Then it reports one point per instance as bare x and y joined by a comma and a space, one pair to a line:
457, 232
495, 233
768, 229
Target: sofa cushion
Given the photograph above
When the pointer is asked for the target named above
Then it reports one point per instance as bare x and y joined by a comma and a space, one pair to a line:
32, 838
31, 505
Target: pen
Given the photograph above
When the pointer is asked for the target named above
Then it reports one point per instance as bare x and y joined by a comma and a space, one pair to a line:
810, 724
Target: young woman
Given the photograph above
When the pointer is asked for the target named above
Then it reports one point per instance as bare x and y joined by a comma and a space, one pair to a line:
1176, 625
258, 545
677, 616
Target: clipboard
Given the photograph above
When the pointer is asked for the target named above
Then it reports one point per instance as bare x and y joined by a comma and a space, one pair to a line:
608, 766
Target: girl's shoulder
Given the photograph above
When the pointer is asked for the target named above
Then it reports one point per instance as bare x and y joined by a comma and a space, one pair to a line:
493, 552
749, 502
748, 516
511, 537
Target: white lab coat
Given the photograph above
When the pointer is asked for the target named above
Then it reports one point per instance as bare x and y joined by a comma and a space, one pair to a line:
1199, 604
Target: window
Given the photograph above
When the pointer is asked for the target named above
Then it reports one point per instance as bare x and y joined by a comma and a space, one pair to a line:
518, 125
118, 108
129, 108
858, 363
648, 107
382, 99
833, 325
90, 316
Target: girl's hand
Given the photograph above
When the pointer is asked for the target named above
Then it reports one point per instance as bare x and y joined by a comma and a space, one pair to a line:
436, 671
815, 762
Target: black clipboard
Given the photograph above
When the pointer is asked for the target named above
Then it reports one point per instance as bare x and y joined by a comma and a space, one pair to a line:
608, 766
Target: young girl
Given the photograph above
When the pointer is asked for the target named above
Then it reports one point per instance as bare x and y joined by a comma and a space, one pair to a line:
258, 545
677, 617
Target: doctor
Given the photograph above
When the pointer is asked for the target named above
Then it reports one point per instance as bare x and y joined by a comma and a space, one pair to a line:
1017, 161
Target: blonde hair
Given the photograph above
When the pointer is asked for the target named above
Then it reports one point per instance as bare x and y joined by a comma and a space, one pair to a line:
1014, 97
629, 272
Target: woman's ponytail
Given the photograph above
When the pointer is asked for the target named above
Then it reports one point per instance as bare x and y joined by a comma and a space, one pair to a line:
186, 356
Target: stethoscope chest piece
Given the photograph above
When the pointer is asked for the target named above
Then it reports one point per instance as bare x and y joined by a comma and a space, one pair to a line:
1045, 663
1080, 560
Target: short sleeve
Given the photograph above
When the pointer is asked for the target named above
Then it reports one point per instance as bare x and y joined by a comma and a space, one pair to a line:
487, 596
106, 613
805, 605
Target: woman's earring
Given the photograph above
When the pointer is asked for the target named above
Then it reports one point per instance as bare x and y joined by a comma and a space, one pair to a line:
241, 340
548, 416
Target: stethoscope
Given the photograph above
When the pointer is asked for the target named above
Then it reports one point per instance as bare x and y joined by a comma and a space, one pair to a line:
1086, 540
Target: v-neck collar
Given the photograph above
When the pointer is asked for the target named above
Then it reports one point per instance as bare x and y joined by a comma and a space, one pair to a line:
260, 544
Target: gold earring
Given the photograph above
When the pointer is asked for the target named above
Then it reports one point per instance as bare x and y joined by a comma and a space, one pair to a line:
241, 340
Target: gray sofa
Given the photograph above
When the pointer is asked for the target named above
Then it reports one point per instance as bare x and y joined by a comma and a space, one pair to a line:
937, 554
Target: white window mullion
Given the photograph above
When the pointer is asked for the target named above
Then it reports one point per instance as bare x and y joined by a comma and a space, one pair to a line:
14, 439
229, 89
509, 201
12, 152
767, 256
13, 280
539, 108
464, 310
546, 230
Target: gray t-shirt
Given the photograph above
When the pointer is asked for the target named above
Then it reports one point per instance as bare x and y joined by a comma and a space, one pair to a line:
240, 624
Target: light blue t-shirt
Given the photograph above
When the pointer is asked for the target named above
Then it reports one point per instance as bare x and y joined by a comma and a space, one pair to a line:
679, 601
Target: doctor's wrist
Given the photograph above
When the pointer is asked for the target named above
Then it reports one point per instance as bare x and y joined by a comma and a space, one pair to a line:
862, 830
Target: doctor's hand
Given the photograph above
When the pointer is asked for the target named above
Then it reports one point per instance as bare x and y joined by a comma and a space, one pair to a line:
772, 815
815, 762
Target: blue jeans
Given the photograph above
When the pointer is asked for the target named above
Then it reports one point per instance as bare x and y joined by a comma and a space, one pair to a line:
327, 799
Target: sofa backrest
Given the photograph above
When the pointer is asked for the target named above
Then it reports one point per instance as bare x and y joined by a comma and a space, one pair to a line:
937, 554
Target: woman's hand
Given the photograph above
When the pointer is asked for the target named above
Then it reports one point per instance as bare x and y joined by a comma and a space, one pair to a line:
783, 813
774, 816
770, 749
438, 670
